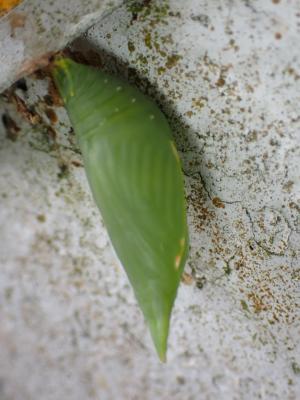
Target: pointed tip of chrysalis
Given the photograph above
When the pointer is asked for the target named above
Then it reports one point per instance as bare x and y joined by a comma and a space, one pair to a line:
159, 329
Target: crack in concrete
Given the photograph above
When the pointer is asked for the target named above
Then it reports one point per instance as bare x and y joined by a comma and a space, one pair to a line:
268, 251
210, 196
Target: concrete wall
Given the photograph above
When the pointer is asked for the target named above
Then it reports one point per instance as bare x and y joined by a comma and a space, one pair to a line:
227, 75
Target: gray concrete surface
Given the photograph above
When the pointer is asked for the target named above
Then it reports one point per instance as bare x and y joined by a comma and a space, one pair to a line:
227, 75
34, 30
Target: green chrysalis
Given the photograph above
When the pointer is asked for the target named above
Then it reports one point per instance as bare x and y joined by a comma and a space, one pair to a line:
135, 175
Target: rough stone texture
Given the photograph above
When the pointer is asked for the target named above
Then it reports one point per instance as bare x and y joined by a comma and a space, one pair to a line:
227, 75
35, 29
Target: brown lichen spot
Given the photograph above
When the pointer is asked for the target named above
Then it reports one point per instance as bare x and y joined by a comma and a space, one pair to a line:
287, 187
257, 302
12, 129
131, 46
172, 60
203, 19
294, 206
51, 133
54, 94
16, 21
189, 113
199, 103
41, 217
244, 305
249, 88
161, 70
200, 282
176, 14
209, 165
276, 1
142, 59
217, 202
63, 171
252, 136
220, 82
136, 7
233, 45
202, 214
148, 40
187, 279
296, 368
158, 49
167, 39
292, 72
51, 115
76, 163
278, 35
227, 270
144, 10
28, 113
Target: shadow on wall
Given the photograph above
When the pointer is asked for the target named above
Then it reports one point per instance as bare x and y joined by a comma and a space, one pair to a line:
84, 52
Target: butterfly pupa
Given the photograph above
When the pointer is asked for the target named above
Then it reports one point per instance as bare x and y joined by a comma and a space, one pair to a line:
135, 175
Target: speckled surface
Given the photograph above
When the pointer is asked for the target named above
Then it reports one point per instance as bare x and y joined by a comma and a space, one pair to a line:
32, 31
227, 76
